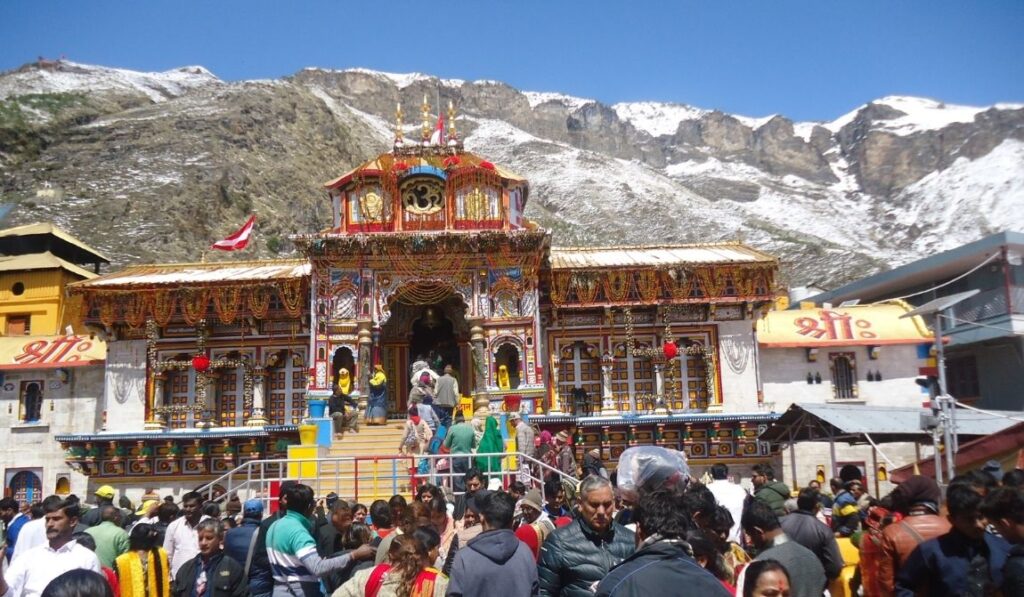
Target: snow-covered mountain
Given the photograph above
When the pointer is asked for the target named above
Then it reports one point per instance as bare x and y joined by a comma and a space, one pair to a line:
151, 166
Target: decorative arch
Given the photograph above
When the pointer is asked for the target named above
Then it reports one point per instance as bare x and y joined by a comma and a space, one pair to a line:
421, 291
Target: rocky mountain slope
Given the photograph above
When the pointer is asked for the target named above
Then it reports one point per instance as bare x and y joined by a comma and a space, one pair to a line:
154, 166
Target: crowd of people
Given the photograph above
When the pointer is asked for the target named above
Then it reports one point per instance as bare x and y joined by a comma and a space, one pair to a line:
660, 533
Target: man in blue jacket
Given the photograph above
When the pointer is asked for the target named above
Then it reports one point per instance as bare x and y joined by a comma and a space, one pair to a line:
240, 541
965, 561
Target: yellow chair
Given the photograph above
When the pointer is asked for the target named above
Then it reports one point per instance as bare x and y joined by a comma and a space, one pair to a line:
840, 587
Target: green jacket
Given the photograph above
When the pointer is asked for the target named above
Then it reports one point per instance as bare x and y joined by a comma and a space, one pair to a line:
461, 439
111, 541
774, 494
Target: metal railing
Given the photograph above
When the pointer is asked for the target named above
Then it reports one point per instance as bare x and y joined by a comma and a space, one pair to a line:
353, 477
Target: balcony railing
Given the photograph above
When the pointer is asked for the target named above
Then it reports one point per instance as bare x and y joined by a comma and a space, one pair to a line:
987, 305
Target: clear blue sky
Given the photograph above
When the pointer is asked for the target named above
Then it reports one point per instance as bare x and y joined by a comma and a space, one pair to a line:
809, 60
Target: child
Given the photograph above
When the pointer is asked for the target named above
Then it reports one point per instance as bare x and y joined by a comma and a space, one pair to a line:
211, 573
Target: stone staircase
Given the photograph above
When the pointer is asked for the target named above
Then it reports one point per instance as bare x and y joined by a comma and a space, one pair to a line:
378, 480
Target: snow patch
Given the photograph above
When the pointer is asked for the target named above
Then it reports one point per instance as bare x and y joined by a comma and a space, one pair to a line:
656, 118
754, 123
536, 98
919, 114
951, 206
402, 80
66, 77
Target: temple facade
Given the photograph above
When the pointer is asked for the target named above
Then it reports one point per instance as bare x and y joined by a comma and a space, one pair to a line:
429, 257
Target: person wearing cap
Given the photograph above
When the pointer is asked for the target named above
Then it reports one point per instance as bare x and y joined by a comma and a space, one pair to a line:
147, 513
240, 541
534, 524
577, 556
495, 562
592, 464
104, 497
564, 456
995, 469
917, 499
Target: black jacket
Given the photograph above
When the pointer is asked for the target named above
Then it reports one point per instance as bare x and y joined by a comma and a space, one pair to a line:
804, 528
224, 579
494, 563
660, 569
1013, 571
575, 557
261, 583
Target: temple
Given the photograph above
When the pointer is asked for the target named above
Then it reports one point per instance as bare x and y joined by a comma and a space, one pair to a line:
428, 257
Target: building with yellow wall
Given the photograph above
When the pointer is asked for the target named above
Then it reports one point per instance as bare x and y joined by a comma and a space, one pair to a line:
51, 367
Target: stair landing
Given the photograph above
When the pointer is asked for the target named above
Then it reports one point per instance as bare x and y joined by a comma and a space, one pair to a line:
378, 480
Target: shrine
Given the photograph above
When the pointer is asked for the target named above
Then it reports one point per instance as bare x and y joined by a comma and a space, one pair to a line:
429, 257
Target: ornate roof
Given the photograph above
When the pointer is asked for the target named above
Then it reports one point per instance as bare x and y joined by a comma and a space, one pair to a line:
436, 160
219, 274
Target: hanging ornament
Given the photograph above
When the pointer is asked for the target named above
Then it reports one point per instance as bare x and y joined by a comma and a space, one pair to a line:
400, 166
451, 161
201, 362
670, 349
486, 165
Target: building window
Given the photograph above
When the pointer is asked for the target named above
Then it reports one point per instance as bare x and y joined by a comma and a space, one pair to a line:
286, 387
844, 375
962, 377
19, 325
579, 377
31, 401
25, 487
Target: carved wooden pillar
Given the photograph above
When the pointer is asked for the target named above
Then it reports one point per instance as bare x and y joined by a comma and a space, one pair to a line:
608, 406
365, 340
209, 398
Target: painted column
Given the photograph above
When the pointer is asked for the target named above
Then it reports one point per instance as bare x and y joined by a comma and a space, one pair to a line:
481, 403
258, 417
608, 406
209, 404
659, 388
365, 340
556, 400
155, 420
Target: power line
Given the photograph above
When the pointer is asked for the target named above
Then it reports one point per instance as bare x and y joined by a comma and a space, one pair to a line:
986, 412
944, 284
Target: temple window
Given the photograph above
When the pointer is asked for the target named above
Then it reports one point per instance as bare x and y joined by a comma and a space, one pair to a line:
368, 205
31, 401
180, 386
478, 204
579, 374
631, 374
231, 408
844, 375
19, 325
286, 387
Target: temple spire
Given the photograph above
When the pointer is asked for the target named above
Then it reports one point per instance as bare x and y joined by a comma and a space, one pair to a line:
399, 140
451, 121
425, 110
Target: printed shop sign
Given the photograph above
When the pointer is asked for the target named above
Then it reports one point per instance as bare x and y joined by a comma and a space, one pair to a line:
43, 352
850, 326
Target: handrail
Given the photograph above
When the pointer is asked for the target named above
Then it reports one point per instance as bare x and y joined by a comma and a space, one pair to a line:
254, 478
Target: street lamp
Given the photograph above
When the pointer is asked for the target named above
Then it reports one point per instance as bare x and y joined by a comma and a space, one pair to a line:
947, 408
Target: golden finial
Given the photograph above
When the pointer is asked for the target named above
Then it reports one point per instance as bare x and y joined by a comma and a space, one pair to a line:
451, 120
398, 123
426, 118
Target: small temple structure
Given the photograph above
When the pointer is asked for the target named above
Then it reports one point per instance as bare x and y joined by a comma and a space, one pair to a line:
429, 256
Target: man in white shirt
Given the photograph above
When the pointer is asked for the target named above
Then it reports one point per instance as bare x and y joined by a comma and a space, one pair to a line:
28, 576
730, 495
33, 532
181, 541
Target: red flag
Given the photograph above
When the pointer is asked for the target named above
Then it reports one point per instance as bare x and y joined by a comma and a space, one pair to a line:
238, 240
438, 137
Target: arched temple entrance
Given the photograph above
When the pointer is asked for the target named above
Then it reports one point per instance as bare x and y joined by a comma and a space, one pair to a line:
436, 332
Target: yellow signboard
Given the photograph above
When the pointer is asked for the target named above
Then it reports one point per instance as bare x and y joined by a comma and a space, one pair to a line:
847, 326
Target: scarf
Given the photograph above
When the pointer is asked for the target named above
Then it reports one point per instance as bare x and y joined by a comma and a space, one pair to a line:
490, 443
423, 586
136, 582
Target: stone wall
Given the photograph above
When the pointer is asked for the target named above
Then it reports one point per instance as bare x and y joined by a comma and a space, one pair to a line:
70, 404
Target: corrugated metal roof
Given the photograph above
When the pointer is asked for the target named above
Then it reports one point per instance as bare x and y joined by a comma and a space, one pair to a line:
45, 260
850, 422
200, 273
664, 255
45, 228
